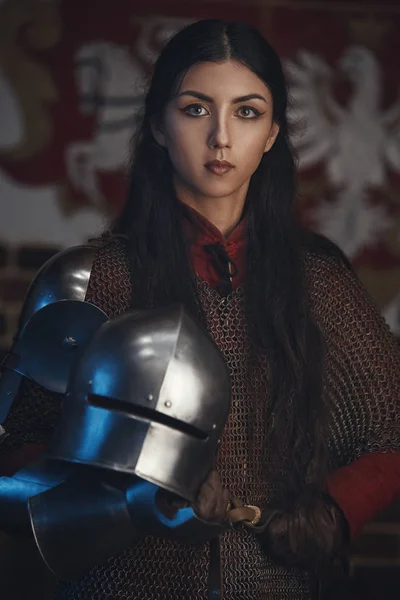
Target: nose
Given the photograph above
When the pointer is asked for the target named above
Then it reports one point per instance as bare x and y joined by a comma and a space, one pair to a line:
220, 134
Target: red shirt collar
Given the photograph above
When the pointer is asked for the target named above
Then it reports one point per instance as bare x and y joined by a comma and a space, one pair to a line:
201, 233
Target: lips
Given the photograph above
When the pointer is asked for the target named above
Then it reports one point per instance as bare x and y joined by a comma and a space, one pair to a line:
219, 167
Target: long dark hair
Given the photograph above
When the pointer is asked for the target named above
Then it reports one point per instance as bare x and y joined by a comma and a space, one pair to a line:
279, 312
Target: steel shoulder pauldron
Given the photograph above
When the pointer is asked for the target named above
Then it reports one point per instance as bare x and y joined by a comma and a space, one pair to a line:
55, 321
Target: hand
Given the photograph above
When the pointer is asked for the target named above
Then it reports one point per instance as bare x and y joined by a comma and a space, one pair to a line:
213, 500
310, 536
161, 513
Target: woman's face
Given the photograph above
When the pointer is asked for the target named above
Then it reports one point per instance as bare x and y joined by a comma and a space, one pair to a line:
221, 112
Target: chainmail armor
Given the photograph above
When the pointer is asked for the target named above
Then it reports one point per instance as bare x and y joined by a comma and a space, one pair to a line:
362, 366
361, 385
32, 417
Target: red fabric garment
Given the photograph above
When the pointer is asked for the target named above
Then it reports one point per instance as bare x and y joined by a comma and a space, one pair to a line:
366, 486
201, 233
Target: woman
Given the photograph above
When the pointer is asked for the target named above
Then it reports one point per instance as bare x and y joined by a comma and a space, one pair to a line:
210, 221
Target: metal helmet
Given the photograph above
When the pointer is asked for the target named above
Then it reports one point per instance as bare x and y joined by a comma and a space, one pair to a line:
150, 396
54, 322
92, 515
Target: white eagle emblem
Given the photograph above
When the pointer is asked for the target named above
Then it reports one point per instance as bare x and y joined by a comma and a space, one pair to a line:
357, 142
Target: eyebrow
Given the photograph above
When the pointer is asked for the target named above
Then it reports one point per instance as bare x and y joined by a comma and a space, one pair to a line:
201, 96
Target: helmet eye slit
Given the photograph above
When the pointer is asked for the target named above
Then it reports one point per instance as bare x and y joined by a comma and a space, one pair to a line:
146, 413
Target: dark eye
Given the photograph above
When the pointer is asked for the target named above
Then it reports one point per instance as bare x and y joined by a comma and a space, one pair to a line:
247, 112
195, 110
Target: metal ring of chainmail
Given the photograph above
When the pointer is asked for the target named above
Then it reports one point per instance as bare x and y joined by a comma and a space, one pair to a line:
361, 385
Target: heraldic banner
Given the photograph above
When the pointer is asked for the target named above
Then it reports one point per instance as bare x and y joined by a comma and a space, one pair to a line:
72, 82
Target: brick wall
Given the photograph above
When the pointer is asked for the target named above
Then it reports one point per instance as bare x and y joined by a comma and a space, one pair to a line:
18, 266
